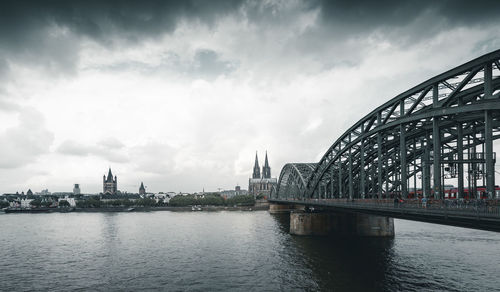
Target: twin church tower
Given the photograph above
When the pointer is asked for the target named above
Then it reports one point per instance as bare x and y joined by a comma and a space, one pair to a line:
261, 185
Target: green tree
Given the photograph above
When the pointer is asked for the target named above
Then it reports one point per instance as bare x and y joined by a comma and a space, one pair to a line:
212, 200
147, 202
180, 200
64, 204
241, 200
94, 203
36, 203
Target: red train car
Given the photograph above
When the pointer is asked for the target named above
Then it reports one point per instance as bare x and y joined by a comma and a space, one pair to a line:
452, 193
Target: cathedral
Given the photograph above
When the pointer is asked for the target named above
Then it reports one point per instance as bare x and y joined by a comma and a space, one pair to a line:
109, 185
261, 184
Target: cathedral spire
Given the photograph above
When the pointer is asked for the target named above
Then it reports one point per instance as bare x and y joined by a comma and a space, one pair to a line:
256, 168
110, 176
266, 170
109, 184
142, 189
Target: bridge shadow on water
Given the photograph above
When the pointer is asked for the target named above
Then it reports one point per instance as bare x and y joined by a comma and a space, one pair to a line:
344, 263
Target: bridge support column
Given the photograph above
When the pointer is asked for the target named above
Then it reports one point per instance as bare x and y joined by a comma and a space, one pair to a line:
490, 163
362, 170
436, 137
426, 168
379, 157
404, 167
341, 194
340, 224
460, 156
281, 208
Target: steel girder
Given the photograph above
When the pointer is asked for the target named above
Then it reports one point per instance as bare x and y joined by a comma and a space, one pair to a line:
293, 180
442, 120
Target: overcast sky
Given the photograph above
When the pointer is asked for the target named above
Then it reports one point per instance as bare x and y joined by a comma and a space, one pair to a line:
180, 95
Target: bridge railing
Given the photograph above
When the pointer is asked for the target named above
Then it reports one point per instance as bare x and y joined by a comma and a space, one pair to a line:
482, 208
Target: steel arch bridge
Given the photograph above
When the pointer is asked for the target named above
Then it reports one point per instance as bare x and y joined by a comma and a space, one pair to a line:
293, 179
442, 128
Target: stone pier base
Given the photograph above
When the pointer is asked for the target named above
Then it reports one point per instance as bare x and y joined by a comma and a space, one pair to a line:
279, 208
343, 224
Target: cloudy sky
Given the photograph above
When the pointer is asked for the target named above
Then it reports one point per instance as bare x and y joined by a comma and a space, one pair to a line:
182, 94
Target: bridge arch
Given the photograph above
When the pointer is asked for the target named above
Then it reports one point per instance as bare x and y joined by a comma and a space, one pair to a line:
292, 182
442, 128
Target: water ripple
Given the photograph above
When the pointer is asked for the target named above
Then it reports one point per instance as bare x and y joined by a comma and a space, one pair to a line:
235, 251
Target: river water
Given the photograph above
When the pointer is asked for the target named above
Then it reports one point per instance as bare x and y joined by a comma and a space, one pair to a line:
234, 251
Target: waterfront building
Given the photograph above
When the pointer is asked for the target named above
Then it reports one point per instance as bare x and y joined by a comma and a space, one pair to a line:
231, 193
238, 191
261, 185
110, 185
25, 203
43, 193
120, 196
161, 197
76, 189
29, 192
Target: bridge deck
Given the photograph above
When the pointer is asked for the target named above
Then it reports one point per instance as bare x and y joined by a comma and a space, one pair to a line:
477, 216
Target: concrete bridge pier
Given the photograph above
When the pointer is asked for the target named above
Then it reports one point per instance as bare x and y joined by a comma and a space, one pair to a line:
341, 224
280, 208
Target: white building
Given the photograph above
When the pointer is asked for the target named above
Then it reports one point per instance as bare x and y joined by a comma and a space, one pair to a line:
25, 203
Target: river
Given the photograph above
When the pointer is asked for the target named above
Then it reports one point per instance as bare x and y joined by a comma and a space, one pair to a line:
234, 251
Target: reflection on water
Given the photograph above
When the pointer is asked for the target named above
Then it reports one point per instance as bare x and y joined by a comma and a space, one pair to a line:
341, 263
344, 264
242, 251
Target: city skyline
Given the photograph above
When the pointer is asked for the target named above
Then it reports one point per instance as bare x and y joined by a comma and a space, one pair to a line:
141, 185
182, 94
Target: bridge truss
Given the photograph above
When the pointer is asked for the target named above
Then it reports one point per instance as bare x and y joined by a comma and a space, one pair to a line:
443, 128
293, 180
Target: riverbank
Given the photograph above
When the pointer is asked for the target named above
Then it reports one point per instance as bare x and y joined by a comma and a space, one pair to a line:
174, 209
166, 208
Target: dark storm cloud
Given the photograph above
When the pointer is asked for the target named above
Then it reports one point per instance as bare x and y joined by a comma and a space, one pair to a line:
343, 26
22, 21
99, 19
46, 33
369, 15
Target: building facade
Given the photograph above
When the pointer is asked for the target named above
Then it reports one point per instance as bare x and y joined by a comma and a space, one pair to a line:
261, 184
76, 189
109, 185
